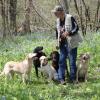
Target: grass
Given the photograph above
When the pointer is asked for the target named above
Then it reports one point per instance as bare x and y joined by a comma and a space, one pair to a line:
39, 89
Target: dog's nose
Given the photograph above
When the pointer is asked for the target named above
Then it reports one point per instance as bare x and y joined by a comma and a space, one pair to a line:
84, 58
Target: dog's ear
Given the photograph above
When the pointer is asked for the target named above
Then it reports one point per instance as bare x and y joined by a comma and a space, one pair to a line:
88, 54
40, 58
81, 55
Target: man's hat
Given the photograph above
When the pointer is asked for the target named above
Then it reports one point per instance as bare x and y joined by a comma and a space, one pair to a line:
57, 9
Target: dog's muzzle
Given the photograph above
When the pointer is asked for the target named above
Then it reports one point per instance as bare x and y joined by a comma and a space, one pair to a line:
85, 58
44, 64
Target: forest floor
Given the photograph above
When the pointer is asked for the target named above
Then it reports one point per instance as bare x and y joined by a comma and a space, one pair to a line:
17, 48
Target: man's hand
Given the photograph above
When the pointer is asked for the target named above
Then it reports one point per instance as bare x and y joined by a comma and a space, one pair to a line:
64, 34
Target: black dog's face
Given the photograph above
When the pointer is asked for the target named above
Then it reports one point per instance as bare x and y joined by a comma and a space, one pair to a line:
38, 49
39, 52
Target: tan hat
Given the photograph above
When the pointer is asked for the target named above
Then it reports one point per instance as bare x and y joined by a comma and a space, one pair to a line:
57, 8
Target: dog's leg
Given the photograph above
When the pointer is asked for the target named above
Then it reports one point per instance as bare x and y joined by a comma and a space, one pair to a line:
85, 79
36, 71
67, 71
51, 76
29, 76
49, 79
77, 76
10, 76
24, 78
7, 77
41, 70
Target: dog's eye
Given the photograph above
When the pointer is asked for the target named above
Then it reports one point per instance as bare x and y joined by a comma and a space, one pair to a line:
45, 60
84, 58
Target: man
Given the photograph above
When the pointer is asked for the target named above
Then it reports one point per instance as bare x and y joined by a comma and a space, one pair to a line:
68, 40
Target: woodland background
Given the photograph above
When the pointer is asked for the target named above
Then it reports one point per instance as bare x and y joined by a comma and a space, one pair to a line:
26, 16
26, 24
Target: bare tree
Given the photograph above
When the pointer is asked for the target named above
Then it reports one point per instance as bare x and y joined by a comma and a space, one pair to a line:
12, 14
26, 23
97, 16
79, 11
2, 2
4, 15
87, 15
25, 27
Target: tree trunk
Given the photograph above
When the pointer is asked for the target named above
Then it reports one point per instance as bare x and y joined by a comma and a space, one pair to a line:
87, 15
26, 24
79, 11
25, 27
12, 12
2, 2
96, 21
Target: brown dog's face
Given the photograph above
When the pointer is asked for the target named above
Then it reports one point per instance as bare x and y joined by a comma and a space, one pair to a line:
85, 57
43, 60
54, 56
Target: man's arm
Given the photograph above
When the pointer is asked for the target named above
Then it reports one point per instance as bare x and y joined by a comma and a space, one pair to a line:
58, 33
73, 30
75, 27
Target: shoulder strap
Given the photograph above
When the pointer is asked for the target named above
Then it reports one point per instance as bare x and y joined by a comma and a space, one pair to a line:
68, 23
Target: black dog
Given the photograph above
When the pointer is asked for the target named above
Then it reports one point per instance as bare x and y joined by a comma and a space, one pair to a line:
36, 61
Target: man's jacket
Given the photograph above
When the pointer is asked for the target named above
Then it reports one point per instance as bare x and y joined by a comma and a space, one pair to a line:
70, 26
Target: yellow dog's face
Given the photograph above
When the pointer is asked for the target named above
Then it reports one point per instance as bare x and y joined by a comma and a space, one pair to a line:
43, 60
85, 57
31, 55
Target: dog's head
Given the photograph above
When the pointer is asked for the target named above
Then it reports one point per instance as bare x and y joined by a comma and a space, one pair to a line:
54, 56
85, 57
38, 49
43, 60
31, 56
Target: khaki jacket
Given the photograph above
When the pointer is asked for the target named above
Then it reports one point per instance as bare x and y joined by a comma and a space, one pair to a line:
74, 40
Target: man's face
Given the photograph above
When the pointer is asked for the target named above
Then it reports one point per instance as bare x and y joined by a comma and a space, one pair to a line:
59, 14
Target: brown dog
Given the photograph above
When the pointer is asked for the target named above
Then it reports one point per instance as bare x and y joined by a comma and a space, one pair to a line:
82, 66
54, 57
24, 67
